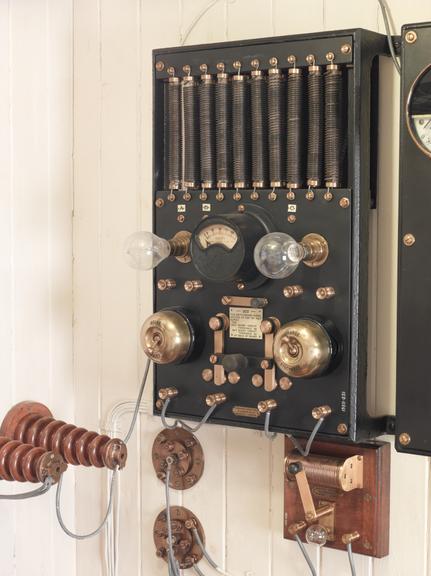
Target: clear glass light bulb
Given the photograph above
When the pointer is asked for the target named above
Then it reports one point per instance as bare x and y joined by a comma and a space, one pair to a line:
316, 535
277, 255
144, 250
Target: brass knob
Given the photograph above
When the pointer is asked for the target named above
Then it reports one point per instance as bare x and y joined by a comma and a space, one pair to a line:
166, 337
303, 348
266, 406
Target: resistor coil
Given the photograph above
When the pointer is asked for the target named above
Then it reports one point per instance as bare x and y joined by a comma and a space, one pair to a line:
223, 106
173, 133
276, 129
315, 126
334, 146
295, 128
207, 130
191, 132
241, 130
259, 129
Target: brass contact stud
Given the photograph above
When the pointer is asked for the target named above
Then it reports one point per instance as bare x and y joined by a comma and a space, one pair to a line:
171, 70
309, 195
207, 375
187, 196
159, 203
237, 64
342, 428
344, 202
266, 364
346, 48
215, 323
233, 377
273, 62
241, 208
330, 56
321, 412
291, 218
165, 393
171, 197
350, 538
409, 240
266, 327
255, 63
328, 196
219, 196
404, 439
221, 66
325, 293
213, 359
266, 406
165, 284
291, 59
291, 195
285, 383
203, 68
181, 218
311, 60
272, 196
254, 196
203, 196
215, 399
257, 380
293, 291
240, 286
411, 37
193, 285
237, 196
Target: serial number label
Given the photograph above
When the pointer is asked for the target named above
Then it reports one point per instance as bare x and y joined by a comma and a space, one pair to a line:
245, 323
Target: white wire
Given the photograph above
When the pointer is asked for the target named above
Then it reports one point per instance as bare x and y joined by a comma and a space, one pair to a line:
198, 18
385, 13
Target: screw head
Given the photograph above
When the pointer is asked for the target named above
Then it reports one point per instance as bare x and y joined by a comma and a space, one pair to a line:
160, 202
257, 380
404, 439
181, 218
240, 286
203, 196
346, 48
291, 59
171, 70
241, 208
273, 61
160, 66
291, 218
203, 68
285, 383
272, 196
309, 195
219, 196
237, 64
207, 374
342, 428
237, 196
330, 56
411, 37
344, 202
255, 63
290, 195
187, 196
409, 240
254, 196
311, 59
221, 66
328, 196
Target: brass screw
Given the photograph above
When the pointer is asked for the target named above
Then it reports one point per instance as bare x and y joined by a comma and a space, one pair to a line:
346, 48
207, 375
203, 196
220, 196
266, 327
342, 428
226, 300
187, 196
349, 538
291, 59
215, 323
240, 285
181, 218
257, 380
237, 64
311, 59
344, 202
255, 63
285, 383
404, 439
160, 66
291, 218
213, 359
193, 285
411, 37
220, 66
166, 284
160, 202
187, 69
273, 61
325, 293
233, 377
409, 240
203, 68
293, 291
328, 196
330, 56
290, 195
241, 208
254, 196
321, 412
171, 197
215, 399
171, 70
272, 196
237, 196
310, 195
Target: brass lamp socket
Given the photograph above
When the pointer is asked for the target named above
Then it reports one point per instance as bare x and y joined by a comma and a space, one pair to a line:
180, 245
316, 250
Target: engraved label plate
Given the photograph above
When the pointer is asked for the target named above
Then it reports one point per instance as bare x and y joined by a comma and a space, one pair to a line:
246, 411
245, 323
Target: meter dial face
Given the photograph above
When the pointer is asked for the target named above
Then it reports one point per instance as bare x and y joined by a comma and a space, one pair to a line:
217, 234
419, 111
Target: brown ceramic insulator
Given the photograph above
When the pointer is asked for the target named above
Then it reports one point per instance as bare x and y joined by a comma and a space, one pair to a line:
21, 462
33, 423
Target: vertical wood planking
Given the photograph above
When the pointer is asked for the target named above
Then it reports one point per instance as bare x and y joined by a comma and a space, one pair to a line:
210, 27
289, 18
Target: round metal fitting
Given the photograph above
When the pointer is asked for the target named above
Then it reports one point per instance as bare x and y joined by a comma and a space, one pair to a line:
207, 375
346, 48
291, 218
159, 203
344, 202
330, 56
342, 428
166, 337
409, 240
257, 380
285, 383
185, 453
404, 439
181, 218
160, 66
303, 348
411, 37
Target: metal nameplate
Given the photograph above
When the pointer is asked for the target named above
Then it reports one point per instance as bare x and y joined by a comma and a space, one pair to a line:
245, 323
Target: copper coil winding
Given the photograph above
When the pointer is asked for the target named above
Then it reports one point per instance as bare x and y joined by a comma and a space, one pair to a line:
320, 470
223, 122
295, 128
191, 132
33, 423
241, 130
207, 131
334, 144
276, 93
173, 142
259, 130
21, 462
315, 126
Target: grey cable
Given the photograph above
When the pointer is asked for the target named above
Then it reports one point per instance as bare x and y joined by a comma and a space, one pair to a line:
351, 559
183, 424
306, 556
310, 440
198, 570
43, 489
206, 554
173, 567
268, 434
138, 402
105, 519
385, 10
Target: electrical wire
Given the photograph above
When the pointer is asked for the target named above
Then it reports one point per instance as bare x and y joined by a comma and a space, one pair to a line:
138, 402
178, 423
310, 440
173, 566
306, 556
198, 18
351, 559
43, 489
268, 434
385, 13
198, 570
206, 554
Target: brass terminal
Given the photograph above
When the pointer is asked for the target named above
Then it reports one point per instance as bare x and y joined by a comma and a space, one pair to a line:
257, 380
165, 393
293, 291
193, 285
266, 406
297, 527
267, 326
321, 412
215, 399
349, 538
207, 375
325, 293
219, 322
233, 377
165, 284
285, 383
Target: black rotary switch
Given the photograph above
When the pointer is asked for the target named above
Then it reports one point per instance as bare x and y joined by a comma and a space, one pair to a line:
222, 246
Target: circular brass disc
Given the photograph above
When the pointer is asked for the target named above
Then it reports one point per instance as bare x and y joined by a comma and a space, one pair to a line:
186, 550
166, 337
186, 451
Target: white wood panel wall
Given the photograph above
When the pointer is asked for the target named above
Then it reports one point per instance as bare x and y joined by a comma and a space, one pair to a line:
35, 254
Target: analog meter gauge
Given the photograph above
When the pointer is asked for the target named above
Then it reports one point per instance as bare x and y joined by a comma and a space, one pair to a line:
419, 111
222, 246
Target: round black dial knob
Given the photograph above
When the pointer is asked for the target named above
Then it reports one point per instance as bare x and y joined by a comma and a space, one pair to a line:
222, 246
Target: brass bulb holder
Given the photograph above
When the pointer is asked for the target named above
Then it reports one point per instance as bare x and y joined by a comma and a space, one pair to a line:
167, 337
316, 250
180, 246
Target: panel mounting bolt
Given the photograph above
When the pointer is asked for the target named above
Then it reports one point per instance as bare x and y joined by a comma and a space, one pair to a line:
409, 240
291, 218
404, 439
160, 66
241, 208
411, 37
346, 48
342, 428
160, 202
344, 202
240, 286
181, 218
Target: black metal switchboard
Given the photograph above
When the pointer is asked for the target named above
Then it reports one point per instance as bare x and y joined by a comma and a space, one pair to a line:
264, 179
